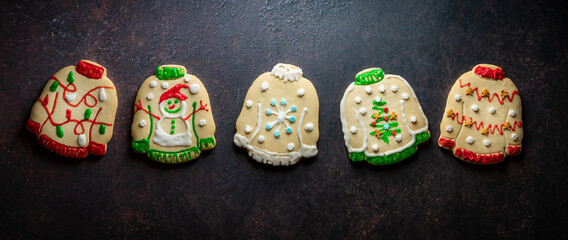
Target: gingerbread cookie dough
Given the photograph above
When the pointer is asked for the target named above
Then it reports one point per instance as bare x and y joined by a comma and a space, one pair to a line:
482, 122
172, 121
74, 115
278, 123
382, 120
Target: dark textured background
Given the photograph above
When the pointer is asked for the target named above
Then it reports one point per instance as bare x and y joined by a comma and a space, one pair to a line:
224, 194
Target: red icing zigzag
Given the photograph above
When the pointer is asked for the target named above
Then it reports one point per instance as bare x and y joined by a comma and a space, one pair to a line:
479, 97
492, 127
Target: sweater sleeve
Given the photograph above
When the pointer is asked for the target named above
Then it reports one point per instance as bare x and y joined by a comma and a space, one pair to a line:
514, 132
452, 118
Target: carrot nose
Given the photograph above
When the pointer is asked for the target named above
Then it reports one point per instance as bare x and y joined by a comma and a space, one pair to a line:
172, 106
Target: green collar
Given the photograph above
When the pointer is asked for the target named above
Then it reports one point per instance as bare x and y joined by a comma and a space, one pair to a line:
369, 77
168, 73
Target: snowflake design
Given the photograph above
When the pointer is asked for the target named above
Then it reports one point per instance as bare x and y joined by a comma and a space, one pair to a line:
281, 116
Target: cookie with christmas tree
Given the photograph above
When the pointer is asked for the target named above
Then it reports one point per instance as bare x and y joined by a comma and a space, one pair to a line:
172, 121
74, 115
382, 120
278, 123
482, 122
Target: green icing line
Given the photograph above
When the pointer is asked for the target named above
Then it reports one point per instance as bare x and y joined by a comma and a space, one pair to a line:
370, 77
167, 73
102, 129
393, 158
54, 86
70, 78
88, 113
59, 131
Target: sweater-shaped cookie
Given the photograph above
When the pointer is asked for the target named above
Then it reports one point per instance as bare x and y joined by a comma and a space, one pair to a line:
278, 123
74, 115
172, 121
382, 120
482, 122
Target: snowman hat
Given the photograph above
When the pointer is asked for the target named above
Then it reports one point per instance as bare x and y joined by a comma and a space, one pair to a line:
174, 92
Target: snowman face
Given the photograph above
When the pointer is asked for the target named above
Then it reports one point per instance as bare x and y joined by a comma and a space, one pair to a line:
173, 105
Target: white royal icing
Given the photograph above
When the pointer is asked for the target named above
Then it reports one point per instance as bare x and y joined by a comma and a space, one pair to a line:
150, 96
357, 100
102, 95
449, 128
474, 108
165, 85
394, 88
378, 99
512, 113
398, 138
153, 84
290, 147
375, 148
186, 78
458, 97
382, 88
194, 88
260, 139
248, 129
287, 72
486, 142
353, 130
368, 90
413, 119
309, 127
492, 110
405, 96
363, 111
70, 97
82, 140
142, 123
470, 140
249, 104
300, 92
202, 122
264, 86
514, 137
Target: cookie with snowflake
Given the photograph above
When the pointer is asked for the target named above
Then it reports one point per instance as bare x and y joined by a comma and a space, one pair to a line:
74, 115
172, 121
482, 122
382, 120
278, 123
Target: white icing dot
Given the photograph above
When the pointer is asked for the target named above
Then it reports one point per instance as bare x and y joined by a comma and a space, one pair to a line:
186, 78
470, 140
309, 127
458, 97
82, 140
357, 100
353, 130
368, 90
142, 123
512, 113
261, 139
382, 88
514, 137
102, 95
449, 128
405, 96
474, 108
153, 84
194, 88
413, 119
248, 129
486, 142
71, 97
394, 88
264, 86
378, 99
300, 92
375, 148
150, 96
363, 111
492, 110
202, 122
290, 147
249, 104
165, 85
398, 138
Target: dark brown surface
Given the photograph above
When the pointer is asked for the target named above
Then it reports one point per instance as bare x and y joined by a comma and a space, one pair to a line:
224, 194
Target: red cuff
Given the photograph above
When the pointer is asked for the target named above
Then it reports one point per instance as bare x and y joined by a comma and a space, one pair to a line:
33, 126
513, 150
446, 143
479, 158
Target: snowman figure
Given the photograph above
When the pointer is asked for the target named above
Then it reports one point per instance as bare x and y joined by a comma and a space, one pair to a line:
172, 107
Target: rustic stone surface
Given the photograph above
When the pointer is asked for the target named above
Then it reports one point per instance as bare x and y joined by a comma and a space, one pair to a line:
224, 194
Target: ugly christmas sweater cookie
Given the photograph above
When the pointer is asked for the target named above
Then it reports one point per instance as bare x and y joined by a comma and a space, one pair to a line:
172, 121
482, 122
278, 123
382, 120
74, 115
